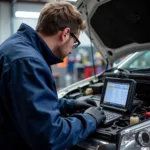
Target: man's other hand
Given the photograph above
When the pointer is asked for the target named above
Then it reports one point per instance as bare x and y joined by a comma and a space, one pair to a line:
97, 113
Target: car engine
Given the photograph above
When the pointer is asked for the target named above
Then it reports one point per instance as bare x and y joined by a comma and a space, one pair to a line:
140, 108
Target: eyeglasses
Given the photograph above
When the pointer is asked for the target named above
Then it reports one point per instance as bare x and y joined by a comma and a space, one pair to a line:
77, 42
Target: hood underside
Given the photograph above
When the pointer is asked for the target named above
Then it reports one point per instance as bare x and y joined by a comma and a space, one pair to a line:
117, 27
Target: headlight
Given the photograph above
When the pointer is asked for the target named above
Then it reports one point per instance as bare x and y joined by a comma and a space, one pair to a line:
136, 137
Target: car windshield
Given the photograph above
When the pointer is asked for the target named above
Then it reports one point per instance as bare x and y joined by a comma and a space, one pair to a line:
138, 60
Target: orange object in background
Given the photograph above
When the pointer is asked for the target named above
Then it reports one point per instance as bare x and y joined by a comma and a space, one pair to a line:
63, 64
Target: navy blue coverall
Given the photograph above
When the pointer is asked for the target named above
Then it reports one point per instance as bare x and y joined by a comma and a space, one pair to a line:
30, 111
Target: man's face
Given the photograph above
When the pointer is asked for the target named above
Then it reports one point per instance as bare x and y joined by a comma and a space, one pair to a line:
69, 42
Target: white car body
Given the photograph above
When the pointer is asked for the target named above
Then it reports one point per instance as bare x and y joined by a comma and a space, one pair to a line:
117, 28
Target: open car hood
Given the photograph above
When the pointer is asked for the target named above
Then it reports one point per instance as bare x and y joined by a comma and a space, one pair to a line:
117, 27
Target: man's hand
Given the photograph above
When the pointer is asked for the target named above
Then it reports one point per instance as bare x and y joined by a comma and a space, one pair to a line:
97, 113
84, 103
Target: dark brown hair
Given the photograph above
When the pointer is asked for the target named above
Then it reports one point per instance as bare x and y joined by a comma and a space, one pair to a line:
58, 15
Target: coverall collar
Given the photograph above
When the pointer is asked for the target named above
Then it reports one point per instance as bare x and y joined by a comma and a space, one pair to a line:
39, 44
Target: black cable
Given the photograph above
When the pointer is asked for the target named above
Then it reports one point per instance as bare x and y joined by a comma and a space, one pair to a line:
139, 105
123, 70
140, 114
135, 108
88, 21
107, 63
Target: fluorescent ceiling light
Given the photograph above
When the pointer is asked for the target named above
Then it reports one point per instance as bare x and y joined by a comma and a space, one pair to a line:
71, 0
27, 14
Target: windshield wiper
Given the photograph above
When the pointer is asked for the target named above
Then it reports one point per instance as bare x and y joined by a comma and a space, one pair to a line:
144, 70
118, 72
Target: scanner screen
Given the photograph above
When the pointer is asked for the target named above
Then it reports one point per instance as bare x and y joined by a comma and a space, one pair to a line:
116, 94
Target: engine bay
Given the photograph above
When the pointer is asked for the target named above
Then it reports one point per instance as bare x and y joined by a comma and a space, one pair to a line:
140, 107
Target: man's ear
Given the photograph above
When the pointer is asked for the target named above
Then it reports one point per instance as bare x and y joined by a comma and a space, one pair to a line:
64, 35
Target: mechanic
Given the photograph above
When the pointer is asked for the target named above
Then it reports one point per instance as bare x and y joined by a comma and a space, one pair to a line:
30, 111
